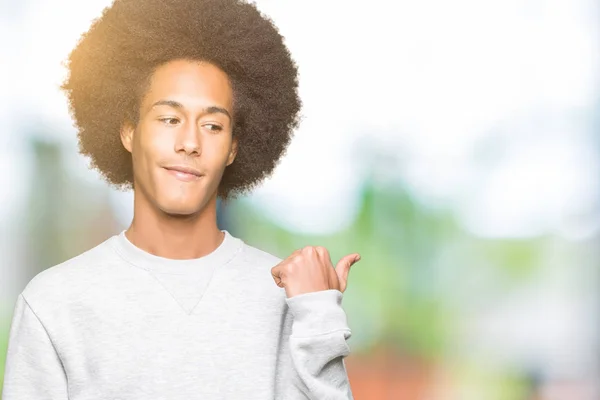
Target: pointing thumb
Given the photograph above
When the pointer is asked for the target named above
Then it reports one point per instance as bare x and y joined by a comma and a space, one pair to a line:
342, 269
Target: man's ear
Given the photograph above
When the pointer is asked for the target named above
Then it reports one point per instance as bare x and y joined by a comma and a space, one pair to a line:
127, 130
233, 152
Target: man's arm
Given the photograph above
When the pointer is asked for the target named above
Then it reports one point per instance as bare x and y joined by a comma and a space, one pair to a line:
33, 368
317, 346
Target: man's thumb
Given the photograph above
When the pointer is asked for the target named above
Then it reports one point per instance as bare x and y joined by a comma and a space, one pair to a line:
342, 269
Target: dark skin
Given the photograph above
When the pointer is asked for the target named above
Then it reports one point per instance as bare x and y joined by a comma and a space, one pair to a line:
180, 148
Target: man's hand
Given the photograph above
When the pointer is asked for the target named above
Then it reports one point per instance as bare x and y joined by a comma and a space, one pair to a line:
310, 270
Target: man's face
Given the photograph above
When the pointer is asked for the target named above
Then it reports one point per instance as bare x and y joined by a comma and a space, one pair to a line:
183, 140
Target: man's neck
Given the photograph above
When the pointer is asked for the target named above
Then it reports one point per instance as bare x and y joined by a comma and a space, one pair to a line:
175, 237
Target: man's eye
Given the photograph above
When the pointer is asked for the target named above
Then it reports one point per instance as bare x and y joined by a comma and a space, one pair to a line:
214, 127
169, 121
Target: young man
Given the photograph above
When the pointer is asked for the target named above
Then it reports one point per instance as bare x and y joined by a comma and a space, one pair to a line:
184, 101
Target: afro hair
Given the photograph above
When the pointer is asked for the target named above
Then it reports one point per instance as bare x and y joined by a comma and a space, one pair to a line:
111, 65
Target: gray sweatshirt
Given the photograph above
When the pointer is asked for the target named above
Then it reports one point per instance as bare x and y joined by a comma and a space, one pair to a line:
117, 323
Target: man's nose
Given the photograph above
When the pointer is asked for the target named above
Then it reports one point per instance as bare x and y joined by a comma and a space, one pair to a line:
189, 140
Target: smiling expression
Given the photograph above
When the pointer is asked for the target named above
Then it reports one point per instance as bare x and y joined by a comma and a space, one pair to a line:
183, 140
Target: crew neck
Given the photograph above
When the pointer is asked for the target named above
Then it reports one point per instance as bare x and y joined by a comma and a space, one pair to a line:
226, 251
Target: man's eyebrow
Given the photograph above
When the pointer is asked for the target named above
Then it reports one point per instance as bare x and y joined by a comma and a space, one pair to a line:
170, 103
215, 109
176, 104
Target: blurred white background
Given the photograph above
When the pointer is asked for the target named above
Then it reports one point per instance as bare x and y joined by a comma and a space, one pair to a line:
456, 145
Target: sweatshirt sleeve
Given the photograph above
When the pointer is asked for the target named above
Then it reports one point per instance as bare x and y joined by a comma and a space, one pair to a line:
317, 345
33, 368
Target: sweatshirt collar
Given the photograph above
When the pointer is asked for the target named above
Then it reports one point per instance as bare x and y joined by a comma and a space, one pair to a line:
224, 253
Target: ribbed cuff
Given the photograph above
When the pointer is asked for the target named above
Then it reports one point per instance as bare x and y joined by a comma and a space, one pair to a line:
317, 313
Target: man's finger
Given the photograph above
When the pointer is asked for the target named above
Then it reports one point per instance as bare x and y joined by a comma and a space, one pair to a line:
276, 274
342, 269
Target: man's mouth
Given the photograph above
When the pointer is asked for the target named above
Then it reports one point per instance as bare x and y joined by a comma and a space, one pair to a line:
184, 173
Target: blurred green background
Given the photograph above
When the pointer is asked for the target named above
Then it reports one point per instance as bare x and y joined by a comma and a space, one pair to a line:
454, 145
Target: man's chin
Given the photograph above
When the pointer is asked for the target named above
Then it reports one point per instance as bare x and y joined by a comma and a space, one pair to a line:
181, 211
182, 206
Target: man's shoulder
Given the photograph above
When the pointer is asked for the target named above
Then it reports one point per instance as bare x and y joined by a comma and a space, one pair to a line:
259, 257
68, 277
